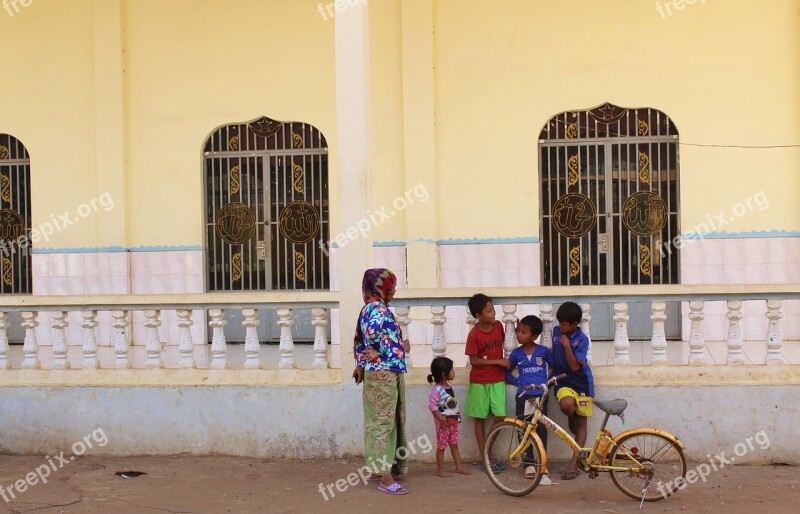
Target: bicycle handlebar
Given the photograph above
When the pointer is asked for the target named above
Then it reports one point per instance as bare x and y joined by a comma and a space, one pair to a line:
545, 386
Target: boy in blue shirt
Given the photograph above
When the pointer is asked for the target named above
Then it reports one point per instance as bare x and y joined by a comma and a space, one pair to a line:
575, 392
534, 364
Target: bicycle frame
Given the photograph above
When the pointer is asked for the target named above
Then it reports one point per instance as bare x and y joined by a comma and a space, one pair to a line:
530, 437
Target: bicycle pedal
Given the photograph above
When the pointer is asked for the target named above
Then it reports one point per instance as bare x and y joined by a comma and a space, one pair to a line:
584, 454
594, 474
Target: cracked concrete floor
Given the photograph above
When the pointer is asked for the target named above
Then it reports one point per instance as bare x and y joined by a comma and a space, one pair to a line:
183, 484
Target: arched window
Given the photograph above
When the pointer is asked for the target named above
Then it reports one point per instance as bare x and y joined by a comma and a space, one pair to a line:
266, 186
609, 197
15, 217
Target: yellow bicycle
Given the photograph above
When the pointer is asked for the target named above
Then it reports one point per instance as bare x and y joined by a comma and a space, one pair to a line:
644, 463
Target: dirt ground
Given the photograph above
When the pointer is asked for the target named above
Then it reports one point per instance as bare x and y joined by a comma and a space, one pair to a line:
226, 484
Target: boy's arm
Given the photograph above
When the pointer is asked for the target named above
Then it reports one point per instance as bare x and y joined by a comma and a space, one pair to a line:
510, 378
477, 362
573, 363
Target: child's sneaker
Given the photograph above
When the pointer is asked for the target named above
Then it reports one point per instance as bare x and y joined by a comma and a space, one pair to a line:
546, 480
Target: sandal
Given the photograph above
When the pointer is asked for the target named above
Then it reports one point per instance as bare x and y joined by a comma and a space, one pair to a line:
395, 489
496, 467
569, 475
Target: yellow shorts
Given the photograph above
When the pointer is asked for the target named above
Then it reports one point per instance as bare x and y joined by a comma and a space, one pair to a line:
583, 402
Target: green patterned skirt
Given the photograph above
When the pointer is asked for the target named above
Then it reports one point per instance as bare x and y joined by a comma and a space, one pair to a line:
385, 421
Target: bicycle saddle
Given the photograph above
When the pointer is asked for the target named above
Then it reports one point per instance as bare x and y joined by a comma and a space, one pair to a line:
612, 407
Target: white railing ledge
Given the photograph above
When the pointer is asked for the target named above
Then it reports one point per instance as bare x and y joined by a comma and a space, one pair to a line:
589, 294
172, 376
198, 301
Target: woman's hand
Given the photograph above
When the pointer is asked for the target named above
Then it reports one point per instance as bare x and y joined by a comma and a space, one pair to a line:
358, 374
370, 354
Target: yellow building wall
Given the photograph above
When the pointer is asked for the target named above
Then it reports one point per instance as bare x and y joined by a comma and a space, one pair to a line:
726, 72
189, 67
194, 65
47, 92
500, 71
386, 116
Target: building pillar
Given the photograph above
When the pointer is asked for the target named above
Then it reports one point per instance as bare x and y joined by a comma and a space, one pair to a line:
352, 164
419, 139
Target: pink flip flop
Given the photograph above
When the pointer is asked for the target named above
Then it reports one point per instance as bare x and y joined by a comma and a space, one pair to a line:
395, 489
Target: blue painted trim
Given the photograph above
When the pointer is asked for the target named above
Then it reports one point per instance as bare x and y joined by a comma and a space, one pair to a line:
741, 235
97, 249
117, 249
388, 243
489, 240
165, 248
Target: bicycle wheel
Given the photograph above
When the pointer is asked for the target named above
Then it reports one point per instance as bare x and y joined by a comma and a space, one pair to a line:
509, 475
661, 460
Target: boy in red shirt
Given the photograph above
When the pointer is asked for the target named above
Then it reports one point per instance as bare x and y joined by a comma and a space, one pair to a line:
486, 396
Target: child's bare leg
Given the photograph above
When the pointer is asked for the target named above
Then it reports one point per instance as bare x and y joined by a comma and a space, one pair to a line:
581, 429
440, 464
568, 407
457, 459
480, 435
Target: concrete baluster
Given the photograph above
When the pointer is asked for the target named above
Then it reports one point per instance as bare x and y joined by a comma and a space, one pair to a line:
621, 342
30, 348
735, 353
659, 340
438, 344
153, 347
58, 324
185, 346
286, 345
252, 347
219, 346
122, 348
696, 337
774, 337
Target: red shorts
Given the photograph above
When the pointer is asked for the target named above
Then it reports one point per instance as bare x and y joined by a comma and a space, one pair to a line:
446, 434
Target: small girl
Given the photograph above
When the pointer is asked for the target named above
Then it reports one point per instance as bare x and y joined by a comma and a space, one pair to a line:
443, 406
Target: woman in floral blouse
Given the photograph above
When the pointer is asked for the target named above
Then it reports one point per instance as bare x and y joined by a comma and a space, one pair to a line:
381, 365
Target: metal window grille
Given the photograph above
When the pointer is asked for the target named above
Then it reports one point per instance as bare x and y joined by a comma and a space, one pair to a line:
267, 213
15, 217
609, 197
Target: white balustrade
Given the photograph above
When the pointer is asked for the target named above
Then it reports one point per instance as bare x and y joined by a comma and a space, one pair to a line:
122, 349
320, 321
546, 315
509, 320
286, 345
621, 342
153, 347
586, 317
30, 348
252, 346
774, 338
659, 340
59, 323
404, 321
735, 353
185, 345
472, 322
4, 362
696, 342
219, 346
438, 344
89, 340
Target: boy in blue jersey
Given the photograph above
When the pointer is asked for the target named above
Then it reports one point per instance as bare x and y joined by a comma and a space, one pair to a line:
575, 392
534, 364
